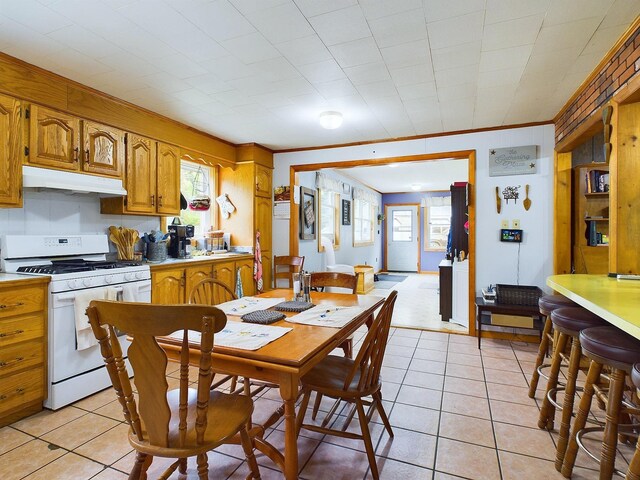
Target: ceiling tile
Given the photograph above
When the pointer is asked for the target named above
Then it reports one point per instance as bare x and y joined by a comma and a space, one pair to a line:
193, 97
438, 10
505, 10
312, 8
218, 19
461, 91
602, 40
180, 66
456, 31
252, 86
569, 11
412, 75
125, 63
91, 44
457, 75
228, 68
247, 7
497, 78
558, 60
371, 72
410, 93
280, 23
400, 28
514, 57
341, 26
303, 51
276, 69
458, 56
413, 53
374, 90
336, 88
381, 8
356, 52
251, 48
620, 13
294, 86
319, 72
513, 33
142, 44
34, 15
574, 34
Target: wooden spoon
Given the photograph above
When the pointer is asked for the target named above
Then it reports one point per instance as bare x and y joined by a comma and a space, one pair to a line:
527, 201
498, 200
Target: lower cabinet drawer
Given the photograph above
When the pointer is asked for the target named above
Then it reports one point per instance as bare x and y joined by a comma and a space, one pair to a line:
14, 330
21, 356
21, 388
20, 300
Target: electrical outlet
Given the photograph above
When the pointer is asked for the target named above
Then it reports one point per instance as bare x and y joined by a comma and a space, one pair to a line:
505, 224
515, 223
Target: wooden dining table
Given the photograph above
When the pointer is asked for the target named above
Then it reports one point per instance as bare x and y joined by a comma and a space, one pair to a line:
283, 362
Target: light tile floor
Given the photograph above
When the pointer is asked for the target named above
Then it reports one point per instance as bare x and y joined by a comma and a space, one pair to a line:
456, 411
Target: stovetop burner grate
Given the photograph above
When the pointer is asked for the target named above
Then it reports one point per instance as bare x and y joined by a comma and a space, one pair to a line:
71, 266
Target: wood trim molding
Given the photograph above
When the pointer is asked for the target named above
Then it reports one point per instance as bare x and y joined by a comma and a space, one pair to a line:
416, 137
596, 71
562, 227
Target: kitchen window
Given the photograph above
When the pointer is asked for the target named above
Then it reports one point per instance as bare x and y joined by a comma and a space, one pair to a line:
437, 225
197, 181
363, 218
329, 216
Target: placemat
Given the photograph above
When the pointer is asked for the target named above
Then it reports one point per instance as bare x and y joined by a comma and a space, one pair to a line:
248, 304
263, 317
326, 316
294, 306
245, 336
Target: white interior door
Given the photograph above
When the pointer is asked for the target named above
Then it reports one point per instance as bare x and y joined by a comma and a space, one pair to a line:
402, 238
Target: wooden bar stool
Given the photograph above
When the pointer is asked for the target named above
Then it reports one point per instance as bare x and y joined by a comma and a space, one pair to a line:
634, 467
546, 303
568, 322
605, 347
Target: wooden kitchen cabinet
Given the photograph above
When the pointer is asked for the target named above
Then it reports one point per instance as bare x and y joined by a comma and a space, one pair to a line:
23, 348
262, 221
152, 180
10, 152
244, 268
54, 139
263, 181
225, 272
196, 274
103, 149
167, 286
168, 180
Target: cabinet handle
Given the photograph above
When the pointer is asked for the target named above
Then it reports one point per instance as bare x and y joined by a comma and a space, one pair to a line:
153, 200
11, 362
75, 154
86, 155
17, 391
9, 334
159, 200
11, 305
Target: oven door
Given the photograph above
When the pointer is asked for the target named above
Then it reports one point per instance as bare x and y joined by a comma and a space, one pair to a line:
65, 362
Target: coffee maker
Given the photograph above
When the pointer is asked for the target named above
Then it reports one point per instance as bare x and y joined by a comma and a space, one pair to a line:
180, 243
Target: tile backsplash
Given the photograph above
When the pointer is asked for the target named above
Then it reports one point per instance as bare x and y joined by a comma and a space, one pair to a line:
57, 212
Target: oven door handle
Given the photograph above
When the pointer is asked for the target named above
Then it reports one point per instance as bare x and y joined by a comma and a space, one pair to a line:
71, 298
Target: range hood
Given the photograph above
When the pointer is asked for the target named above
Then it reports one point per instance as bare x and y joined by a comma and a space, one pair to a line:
43, 178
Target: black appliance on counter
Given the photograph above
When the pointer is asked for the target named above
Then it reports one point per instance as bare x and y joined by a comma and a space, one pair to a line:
180, 240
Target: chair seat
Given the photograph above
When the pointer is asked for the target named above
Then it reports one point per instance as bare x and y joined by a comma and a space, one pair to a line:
330, 374
224, 415
571, 320
635, 375
611, 346
548, 303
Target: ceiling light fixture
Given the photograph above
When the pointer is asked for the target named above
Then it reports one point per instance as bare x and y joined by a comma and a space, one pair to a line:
415, 186
330, 120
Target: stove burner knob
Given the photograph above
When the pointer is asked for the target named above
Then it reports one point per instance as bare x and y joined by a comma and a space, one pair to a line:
129, 277
109, 279
140, 275
87, 282
73, 284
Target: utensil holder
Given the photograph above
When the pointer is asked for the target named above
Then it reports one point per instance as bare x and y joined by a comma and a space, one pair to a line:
157, 252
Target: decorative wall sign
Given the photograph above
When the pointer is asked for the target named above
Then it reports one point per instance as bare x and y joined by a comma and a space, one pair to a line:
307, 214
513, 161
346, 212
511, 193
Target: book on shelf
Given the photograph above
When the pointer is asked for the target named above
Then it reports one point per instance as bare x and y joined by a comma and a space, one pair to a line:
597, 181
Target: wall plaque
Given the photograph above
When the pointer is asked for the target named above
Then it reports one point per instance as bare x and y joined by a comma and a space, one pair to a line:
513, 161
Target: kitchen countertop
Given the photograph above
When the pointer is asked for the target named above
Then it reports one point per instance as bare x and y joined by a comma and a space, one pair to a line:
203, 258
14, 277
616, 301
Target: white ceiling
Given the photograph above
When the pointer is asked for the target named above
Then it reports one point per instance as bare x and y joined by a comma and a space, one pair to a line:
262, 70
399, 177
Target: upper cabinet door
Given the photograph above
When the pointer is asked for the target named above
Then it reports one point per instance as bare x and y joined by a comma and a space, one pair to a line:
103, 149
263, 181
10, 153
54, 139
168, 187
141, 174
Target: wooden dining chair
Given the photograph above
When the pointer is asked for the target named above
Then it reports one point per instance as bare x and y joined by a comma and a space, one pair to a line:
211, 291
284, 267
178, 423
352, 380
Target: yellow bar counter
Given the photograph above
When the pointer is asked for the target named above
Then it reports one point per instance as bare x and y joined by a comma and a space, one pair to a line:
615, 300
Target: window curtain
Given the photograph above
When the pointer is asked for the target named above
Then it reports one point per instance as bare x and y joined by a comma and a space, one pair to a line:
366, 196
325, 182
436, 201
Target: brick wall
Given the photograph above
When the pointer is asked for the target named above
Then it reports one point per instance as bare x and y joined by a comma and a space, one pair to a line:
623, 65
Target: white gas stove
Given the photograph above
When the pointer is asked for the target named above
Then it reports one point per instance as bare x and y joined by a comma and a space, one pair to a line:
78, 267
